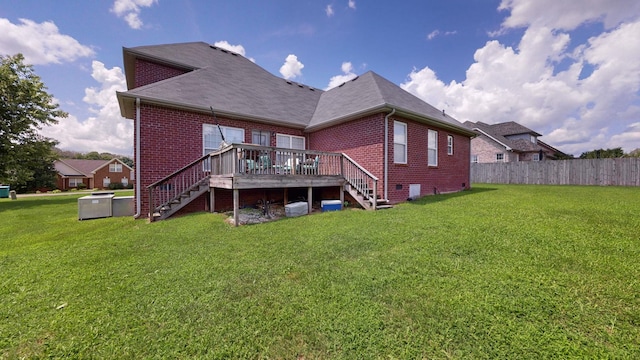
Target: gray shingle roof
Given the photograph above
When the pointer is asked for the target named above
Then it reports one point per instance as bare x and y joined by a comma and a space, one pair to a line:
500, 132
235, 86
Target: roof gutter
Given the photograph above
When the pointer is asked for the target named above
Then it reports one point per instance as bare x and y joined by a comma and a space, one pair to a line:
494, 139
386, 153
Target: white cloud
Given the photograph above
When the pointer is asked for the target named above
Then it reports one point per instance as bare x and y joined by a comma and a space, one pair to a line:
329, 10
130, 11
579, 98
435, 33
568, 15
106, 130
348, 74
292, 67
238, 49
352, 4
40, 43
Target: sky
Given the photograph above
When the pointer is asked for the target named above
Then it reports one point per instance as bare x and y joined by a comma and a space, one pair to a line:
569, 70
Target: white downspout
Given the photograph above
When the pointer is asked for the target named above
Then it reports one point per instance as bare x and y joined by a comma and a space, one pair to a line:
386, 153
138, 193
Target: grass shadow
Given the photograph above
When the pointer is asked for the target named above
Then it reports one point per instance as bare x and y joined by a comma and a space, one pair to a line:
431, 199
34, 202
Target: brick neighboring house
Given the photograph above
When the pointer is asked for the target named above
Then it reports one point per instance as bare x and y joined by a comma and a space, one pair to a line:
410, 147
509, 142
92, 173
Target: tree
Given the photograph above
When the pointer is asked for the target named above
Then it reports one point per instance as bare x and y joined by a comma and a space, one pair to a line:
25, 106
602, 153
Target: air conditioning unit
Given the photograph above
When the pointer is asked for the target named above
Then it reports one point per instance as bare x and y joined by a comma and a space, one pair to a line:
98, 205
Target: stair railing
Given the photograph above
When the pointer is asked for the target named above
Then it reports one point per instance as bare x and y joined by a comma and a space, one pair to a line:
359, 178
170, 188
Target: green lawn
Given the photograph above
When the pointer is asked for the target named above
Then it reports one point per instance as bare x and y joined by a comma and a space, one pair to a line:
496, 272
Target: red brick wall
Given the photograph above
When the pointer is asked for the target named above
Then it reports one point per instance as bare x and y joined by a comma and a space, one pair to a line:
362, 140
450, 174
115, 177
170, 139
148, 72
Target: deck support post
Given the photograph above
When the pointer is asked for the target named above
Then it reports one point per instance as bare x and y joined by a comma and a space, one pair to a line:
236, 202
341, 189
310, 198
212, 199
286, 196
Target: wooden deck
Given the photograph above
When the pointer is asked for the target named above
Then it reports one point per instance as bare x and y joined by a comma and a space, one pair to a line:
244, 166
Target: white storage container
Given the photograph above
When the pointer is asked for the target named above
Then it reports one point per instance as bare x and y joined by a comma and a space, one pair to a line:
95, 206
296, 209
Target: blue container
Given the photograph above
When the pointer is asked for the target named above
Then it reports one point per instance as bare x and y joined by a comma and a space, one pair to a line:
331, 205
4, 191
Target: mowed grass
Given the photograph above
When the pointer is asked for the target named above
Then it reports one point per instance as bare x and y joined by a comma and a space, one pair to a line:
496, 272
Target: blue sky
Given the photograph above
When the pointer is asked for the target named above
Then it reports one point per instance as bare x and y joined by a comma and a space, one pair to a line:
566, 69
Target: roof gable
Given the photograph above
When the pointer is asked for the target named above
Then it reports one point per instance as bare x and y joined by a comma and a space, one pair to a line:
499, 132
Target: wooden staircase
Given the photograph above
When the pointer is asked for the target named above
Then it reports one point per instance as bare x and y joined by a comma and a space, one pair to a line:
177, 190
172, 206
362, 185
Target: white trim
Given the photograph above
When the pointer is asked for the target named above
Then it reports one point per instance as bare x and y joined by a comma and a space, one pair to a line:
494, 139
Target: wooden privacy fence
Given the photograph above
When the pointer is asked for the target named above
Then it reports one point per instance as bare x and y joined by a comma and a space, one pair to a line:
617, 172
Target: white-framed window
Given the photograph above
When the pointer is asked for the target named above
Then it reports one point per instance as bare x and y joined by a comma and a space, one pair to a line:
124, 181
115, 167
290, 141
106, 181
536, 157
474, 159
534, 139
500, 157
449, 144
211, 138
432, 145
260, 137
73, 182
399, 142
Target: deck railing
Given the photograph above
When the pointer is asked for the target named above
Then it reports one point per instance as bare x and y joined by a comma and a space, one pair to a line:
244, 159
172, 187
360, 179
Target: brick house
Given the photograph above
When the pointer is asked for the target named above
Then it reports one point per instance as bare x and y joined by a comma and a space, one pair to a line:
509, 142
92, 173
367, 138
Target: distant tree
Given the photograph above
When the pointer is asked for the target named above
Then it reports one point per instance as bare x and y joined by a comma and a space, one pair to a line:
94, 155
25, 106
602, 153
127, 161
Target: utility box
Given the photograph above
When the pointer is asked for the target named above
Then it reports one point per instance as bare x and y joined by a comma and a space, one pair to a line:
4, 191
95, 206
331, 205
122, 206
296, 209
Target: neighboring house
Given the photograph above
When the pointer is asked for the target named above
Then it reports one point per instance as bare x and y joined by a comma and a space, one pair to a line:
509, 142
92, 173
368, 137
